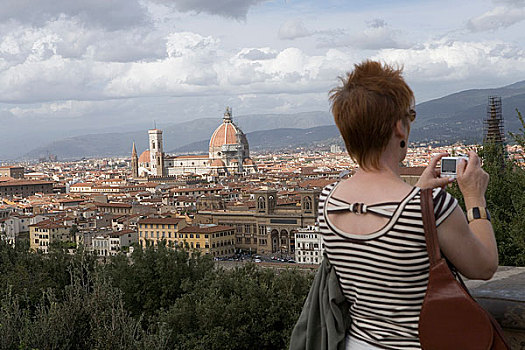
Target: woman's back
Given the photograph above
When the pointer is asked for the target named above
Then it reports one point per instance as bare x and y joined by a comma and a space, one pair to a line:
379, 253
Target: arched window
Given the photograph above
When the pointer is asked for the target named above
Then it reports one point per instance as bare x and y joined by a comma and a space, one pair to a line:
261, 204
152, 144
308, 204
271, 201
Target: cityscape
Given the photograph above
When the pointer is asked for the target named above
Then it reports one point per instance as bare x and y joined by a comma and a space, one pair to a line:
165, 167
227, 203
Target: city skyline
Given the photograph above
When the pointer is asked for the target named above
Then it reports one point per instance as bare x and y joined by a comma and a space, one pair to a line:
70, 69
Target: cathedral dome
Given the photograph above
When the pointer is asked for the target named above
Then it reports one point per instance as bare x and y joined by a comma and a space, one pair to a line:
226, 133
144, 157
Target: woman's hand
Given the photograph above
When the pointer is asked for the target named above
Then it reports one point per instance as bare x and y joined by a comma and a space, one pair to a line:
472, 181
430, 177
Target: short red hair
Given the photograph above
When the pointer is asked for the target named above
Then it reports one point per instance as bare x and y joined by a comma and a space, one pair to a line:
372, 98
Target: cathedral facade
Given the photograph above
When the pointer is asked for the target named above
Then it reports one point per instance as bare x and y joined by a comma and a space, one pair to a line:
228, 154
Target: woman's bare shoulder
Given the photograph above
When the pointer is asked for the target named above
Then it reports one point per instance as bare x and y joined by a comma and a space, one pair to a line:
367, 191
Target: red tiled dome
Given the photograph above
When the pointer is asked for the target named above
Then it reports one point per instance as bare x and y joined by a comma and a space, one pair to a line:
144, 157
225, 134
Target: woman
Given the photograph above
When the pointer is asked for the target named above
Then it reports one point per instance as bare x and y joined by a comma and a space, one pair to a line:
371, 222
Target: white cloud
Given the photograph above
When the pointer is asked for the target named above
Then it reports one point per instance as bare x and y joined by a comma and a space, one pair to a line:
499, 17
448, 60
189, 44
258, 54
377, 23
44, 65
293, 29
377, 35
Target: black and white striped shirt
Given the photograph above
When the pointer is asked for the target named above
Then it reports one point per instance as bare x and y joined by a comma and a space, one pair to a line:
384, 274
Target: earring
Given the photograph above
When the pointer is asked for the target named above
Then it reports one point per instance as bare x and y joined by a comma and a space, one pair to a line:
403, 144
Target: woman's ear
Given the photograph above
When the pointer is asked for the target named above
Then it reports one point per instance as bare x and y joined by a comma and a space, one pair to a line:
401, 129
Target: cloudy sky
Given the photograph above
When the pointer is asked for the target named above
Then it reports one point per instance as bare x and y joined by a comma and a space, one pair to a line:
68, 67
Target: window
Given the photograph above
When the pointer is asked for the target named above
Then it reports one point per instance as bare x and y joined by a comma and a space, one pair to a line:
307, 204
261, 204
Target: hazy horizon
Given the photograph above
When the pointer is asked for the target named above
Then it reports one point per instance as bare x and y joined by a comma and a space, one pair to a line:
73, 68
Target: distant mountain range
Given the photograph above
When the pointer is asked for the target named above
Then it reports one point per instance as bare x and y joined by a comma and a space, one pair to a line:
283, 138
456, 117
174, 135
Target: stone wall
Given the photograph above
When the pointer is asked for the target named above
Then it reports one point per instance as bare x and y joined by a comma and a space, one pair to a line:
504, 297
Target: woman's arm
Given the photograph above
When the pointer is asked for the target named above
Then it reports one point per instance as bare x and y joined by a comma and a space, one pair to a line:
471, 247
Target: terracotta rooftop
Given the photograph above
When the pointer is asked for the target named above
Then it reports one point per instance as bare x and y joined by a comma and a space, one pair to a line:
160, 220
206, 229
203, 156
25, 183
47, 224
113, 205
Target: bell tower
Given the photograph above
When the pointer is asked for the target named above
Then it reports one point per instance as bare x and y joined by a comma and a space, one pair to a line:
156, 152
134, 162
266, 201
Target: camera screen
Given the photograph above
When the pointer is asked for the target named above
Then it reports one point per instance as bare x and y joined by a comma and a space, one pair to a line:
448, 165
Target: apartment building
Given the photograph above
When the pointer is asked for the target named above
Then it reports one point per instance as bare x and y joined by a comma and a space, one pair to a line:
42, 234
154, 230
216, 240
309, 246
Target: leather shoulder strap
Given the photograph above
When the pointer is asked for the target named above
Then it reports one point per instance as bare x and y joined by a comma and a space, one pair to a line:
429, 224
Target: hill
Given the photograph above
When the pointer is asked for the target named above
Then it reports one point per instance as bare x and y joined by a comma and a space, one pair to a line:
275, 139
449, 119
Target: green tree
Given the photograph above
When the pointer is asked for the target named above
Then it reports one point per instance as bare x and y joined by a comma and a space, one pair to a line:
519, 137
505, 200
243, 308
155, 277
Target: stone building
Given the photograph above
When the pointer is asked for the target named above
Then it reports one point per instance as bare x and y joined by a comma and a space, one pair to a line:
155, 230
310, 247
228, 153
16, 172
46, 232
24, 188
215, 240
268, 228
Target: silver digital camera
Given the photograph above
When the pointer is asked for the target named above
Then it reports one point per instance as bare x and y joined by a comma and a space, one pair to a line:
449, 166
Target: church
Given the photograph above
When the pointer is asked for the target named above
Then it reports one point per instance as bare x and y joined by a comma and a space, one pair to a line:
229, 154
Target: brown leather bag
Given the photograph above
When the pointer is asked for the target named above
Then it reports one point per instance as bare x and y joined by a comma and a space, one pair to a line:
450, 318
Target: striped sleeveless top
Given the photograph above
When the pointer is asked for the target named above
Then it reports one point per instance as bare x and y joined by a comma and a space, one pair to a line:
383, 274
